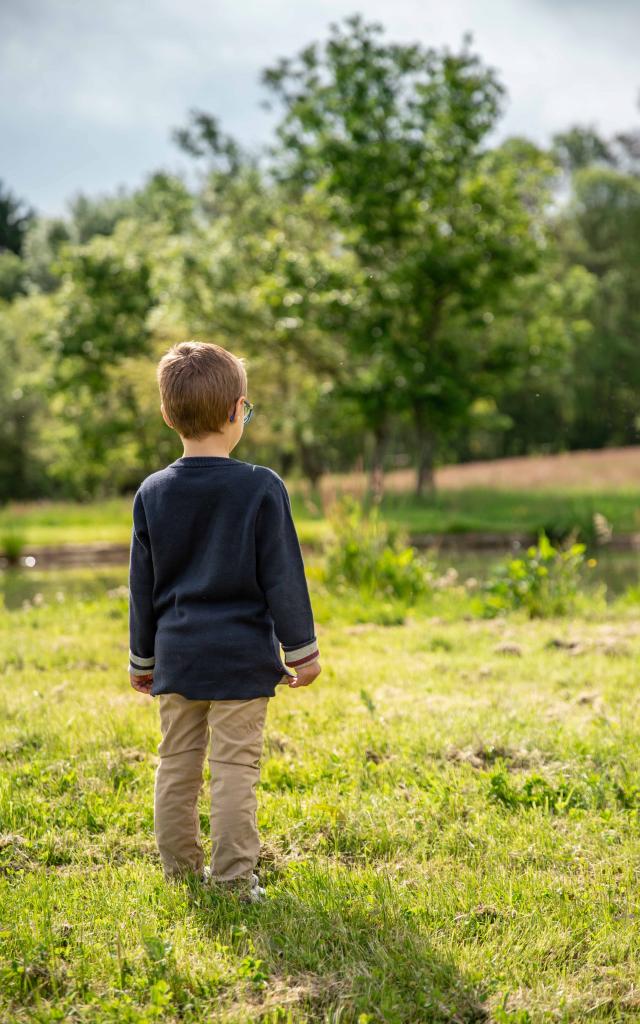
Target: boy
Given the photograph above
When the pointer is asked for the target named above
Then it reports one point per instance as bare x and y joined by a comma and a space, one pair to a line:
216, 585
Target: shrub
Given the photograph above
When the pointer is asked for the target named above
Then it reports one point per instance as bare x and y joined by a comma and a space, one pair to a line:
11, 546
366, 553
544, 581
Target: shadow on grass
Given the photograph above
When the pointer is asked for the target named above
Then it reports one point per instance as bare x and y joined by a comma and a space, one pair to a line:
334, 944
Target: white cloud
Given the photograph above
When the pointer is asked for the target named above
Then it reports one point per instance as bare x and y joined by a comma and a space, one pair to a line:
92, 91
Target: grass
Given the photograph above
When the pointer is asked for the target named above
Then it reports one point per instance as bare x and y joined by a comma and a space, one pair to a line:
109, 522
67, 522
454, 511
450, 822
496, 511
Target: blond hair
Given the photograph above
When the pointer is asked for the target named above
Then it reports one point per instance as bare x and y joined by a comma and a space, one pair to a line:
199, 384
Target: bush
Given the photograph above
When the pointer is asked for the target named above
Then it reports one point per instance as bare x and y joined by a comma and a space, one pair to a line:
367, 554
11, 546
545, 581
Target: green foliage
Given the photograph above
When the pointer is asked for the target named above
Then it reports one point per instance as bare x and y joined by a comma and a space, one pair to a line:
12, 545
400, 287
97, 215
25, 413
543, 582
503, 1016
165, 200
104, 303
15, 218
367, 554
12, 275
631, 596
202, 137
581, 147
548, 312
393, 135
43, 245
602, 230
562, 795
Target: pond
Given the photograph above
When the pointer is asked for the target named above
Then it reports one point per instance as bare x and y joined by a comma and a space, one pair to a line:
617, 569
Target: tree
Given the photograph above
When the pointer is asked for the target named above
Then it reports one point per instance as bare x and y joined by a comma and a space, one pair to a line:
12, 275
103, 304
534, 393
15, 217
392, 135
266, 275
601, 231
42, 247
582, 147
91, 216
23, 386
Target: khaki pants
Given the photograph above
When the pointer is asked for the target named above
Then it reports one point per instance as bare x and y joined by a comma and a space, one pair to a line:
236, 728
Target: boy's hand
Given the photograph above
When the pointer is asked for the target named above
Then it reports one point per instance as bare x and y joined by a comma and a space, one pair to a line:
306, 674
142, 684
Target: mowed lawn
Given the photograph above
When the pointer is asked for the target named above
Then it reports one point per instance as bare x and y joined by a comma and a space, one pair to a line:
450, 825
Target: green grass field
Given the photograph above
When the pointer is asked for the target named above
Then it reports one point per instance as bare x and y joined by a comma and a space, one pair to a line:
454, 511
450, 825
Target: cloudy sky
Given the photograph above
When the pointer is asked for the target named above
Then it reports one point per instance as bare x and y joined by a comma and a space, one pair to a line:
90, 91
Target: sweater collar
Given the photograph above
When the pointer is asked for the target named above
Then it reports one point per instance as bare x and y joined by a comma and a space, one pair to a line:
205, 460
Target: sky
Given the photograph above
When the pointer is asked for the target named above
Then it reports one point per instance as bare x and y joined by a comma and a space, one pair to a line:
90, 92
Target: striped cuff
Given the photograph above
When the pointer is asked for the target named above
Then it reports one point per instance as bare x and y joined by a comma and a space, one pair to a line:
297, 656
140, 666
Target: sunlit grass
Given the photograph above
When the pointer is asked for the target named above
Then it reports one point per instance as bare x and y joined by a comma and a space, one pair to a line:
450, 825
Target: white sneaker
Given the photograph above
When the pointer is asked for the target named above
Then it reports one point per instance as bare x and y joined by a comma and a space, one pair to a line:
258, 892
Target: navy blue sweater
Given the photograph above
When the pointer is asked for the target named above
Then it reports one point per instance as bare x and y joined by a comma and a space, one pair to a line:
216, 581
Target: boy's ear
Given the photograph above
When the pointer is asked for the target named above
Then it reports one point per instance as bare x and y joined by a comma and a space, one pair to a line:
165, 417
235, 410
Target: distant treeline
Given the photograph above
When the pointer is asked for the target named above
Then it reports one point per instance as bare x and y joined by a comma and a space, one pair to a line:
403, 291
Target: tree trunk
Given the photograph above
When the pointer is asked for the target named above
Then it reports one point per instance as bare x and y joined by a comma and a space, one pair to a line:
312, 463
376, 477
287, 462
425, 480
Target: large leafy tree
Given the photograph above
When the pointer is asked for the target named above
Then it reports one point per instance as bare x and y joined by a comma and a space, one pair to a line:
395, 138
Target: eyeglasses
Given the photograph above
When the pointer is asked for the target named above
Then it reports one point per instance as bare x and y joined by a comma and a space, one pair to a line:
248, 409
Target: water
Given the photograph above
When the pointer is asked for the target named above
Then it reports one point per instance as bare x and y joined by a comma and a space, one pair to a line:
618, 569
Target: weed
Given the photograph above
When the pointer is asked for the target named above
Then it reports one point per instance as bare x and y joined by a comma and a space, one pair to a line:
544, 582
367, 553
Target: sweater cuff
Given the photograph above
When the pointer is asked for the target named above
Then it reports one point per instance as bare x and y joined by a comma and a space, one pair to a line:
140, 666
295, 657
